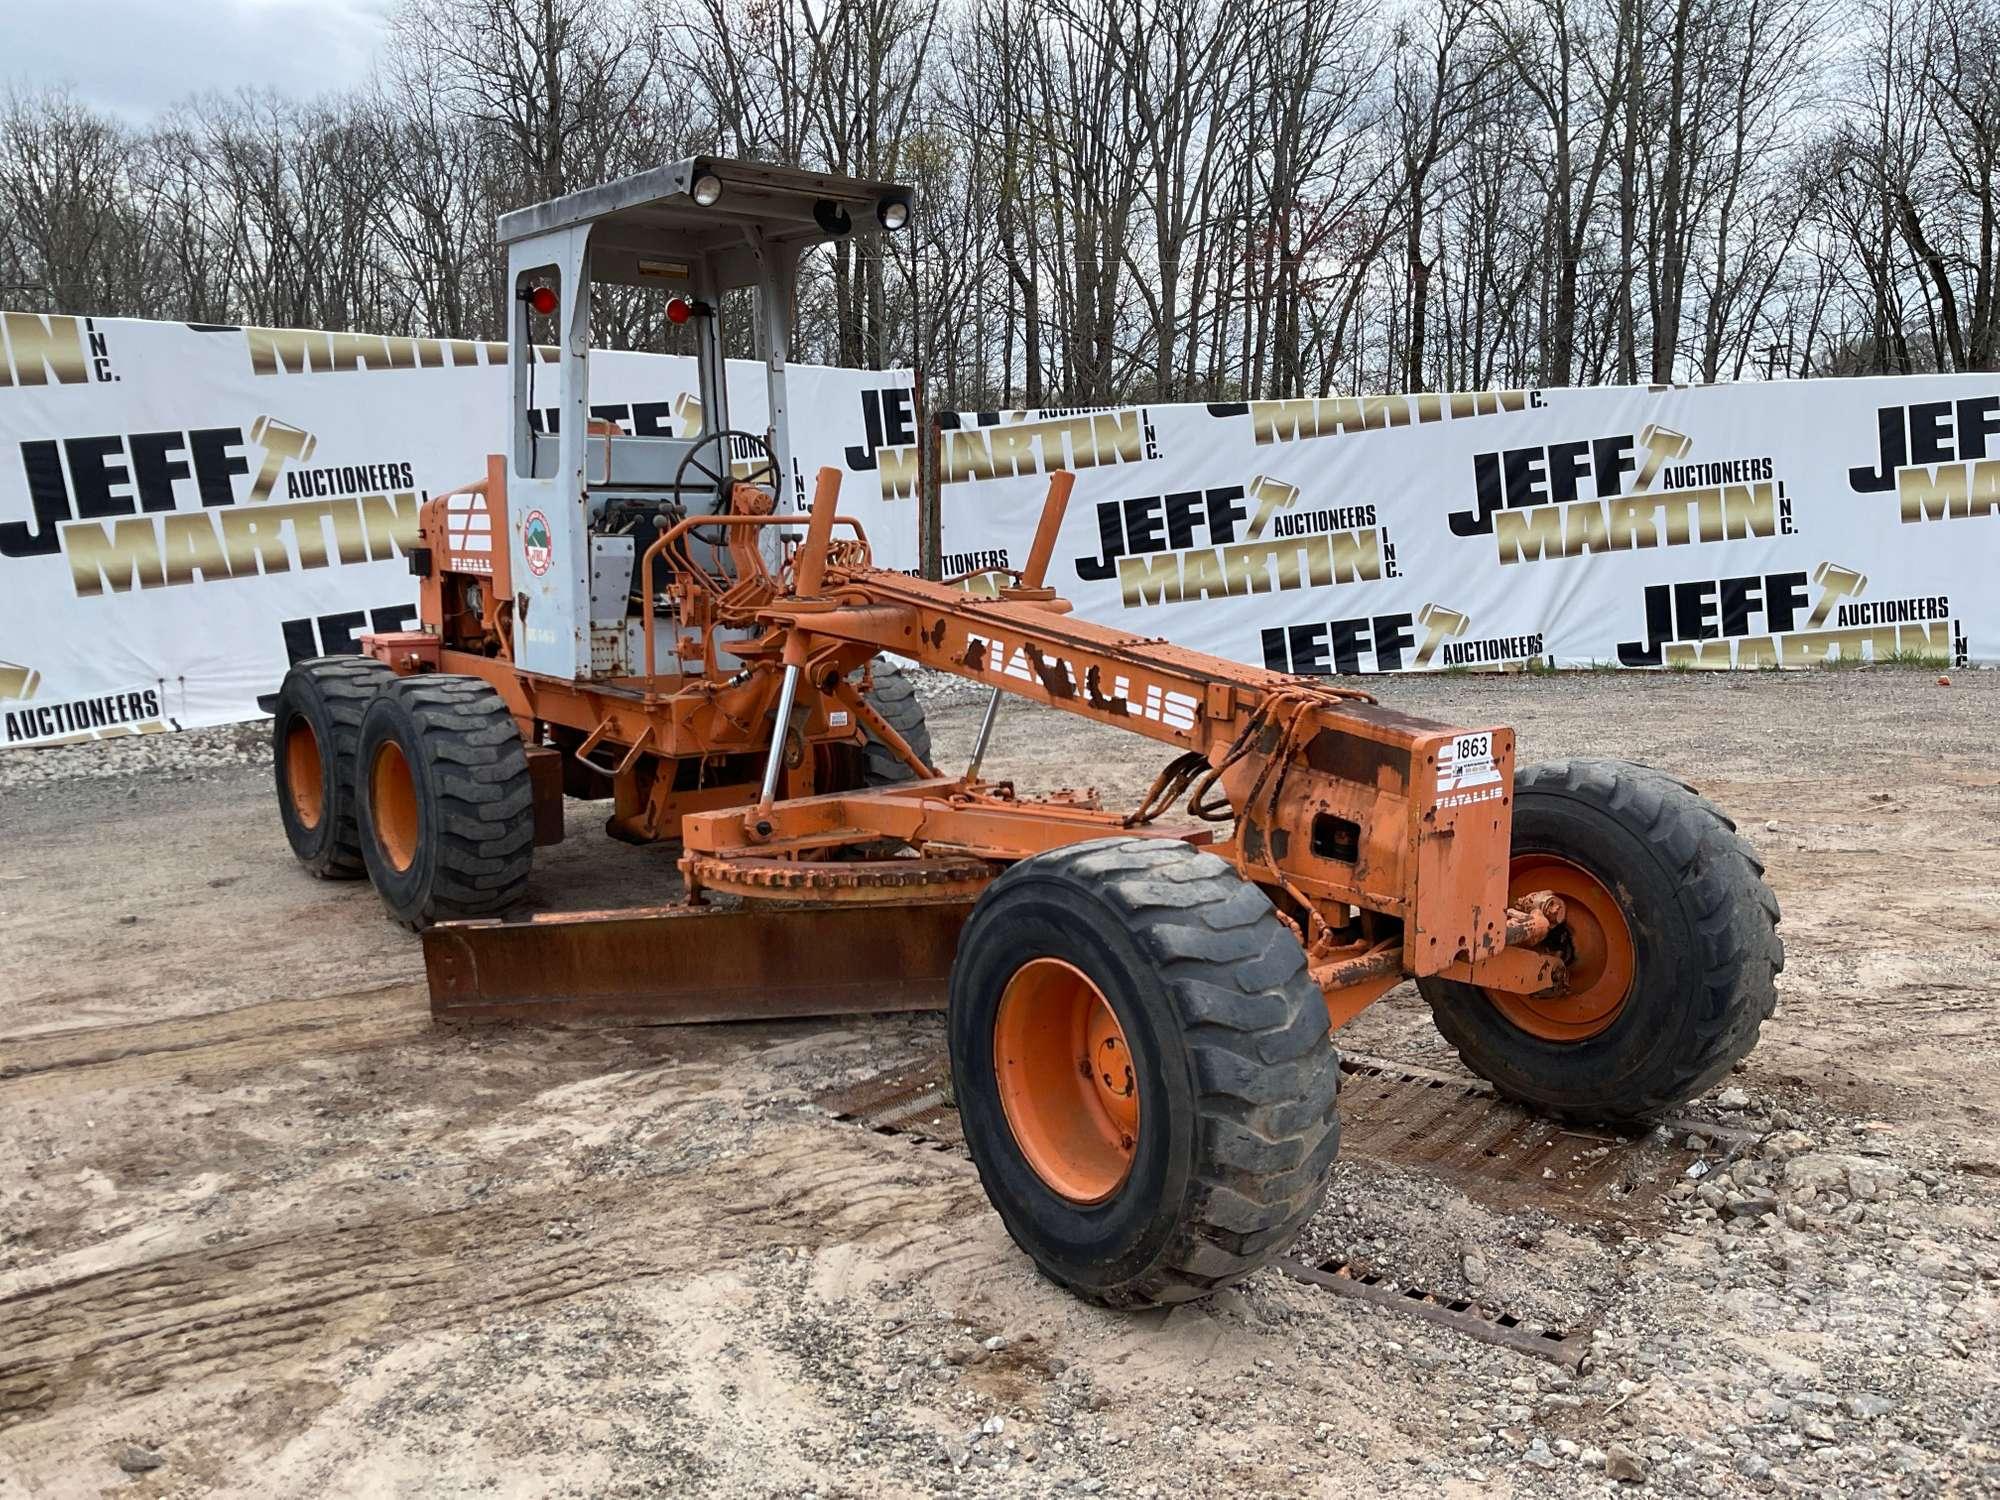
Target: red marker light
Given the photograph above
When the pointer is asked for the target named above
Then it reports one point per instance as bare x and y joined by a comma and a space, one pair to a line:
543, 300
678, 310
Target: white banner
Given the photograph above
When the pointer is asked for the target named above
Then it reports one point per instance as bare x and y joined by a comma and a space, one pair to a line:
185, 510
1713, 526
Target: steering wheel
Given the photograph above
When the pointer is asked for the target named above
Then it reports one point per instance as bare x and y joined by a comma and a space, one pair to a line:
717, 474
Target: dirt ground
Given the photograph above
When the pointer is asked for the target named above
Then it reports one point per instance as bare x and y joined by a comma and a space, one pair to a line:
263, 1226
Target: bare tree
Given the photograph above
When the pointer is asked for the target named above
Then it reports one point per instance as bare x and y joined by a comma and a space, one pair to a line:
76, 236
1119, 200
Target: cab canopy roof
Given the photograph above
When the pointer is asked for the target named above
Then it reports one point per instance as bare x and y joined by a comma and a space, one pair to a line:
655, 211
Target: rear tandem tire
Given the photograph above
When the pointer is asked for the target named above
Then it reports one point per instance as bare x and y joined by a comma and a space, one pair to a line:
1700, 956
1202, 1156
315, 732
894, 697
445, 805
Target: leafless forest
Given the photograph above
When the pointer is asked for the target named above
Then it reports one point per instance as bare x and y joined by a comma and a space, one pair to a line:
1120, 199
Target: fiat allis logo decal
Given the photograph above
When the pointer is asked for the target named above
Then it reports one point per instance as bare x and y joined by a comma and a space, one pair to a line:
537, 543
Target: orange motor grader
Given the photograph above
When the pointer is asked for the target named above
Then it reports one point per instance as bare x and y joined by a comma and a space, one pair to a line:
1140, 1003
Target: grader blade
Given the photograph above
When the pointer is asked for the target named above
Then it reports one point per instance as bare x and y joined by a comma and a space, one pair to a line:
671, 966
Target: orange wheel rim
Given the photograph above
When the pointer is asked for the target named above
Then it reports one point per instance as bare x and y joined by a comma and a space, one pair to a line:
1068, 1084
1601, 964
303, 770
392, 800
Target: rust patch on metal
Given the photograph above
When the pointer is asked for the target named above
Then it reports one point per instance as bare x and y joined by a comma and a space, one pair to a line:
975, 655
1250, 834
882, 882
1055, 677
669, 966
935, 635
1355, 757
1093, 690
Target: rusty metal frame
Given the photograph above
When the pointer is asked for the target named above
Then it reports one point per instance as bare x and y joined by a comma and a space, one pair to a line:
1410, 877
639, 967
1284, 752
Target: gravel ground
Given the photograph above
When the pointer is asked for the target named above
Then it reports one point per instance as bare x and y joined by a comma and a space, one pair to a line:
191, 752
264, 1230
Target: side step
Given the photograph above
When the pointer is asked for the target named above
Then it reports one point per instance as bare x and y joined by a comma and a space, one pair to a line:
674, 965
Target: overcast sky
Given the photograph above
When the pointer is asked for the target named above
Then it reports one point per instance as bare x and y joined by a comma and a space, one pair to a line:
137, 56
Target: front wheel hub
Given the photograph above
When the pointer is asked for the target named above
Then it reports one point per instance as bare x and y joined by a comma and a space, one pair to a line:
1601, 958
1068, 1082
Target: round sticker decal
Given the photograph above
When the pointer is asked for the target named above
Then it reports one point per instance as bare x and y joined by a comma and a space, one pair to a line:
537, 543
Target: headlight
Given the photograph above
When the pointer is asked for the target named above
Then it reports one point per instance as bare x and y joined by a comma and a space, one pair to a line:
893, 212
706, 190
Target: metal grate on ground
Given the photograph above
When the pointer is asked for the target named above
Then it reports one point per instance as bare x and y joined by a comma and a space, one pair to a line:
1400, 1116
914, 1101
1491, 1325
1460, 1130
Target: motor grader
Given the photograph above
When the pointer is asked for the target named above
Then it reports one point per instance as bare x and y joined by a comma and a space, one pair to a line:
1140, 1001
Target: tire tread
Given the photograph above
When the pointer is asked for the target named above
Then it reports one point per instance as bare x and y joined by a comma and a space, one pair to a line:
346, 685
1733, 914
473, 757
1265, 1070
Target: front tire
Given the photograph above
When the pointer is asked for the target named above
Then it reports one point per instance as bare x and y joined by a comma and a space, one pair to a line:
1143, 1069
315, 731
1675, 948
445, 805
